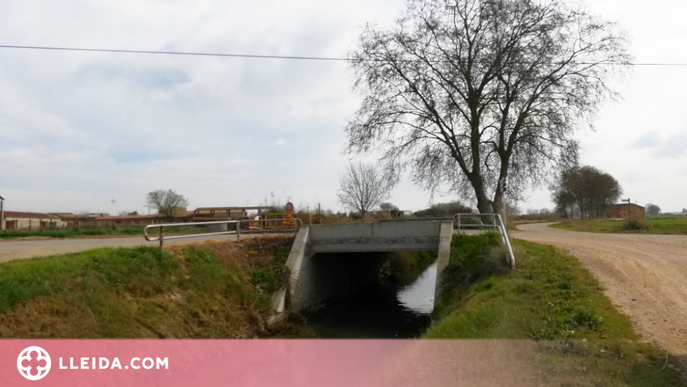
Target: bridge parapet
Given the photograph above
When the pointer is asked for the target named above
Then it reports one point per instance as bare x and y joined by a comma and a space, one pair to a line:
364, 237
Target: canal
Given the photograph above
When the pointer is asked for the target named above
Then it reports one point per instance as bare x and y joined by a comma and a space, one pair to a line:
398, 305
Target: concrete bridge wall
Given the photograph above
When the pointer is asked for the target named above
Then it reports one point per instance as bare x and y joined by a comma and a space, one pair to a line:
318, 270
382, 236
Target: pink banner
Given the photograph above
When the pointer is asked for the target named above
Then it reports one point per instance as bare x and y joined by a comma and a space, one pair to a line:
283, 363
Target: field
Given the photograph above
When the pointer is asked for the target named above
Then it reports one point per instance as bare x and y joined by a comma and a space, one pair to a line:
582, 339
649, 225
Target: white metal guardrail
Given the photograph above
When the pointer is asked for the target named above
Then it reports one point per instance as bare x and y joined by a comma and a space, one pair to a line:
497, 223
293, 224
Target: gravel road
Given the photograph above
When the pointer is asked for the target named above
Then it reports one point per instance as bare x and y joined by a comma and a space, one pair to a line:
37, 247
645, 276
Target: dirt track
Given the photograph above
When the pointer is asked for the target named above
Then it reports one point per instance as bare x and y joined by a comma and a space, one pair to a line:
645, 276
31, 247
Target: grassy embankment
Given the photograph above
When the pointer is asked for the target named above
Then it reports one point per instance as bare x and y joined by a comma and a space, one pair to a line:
213, 290
550, 297
650, 225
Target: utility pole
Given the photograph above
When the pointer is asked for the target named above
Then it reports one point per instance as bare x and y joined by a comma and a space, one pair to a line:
2, 213
629, 209
504, 184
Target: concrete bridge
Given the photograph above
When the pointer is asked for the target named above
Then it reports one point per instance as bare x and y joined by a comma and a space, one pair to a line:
318, 270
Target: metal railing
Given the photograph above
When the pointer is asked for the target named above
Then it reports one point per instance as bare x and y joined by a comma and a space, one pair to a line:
297, 223
496, 223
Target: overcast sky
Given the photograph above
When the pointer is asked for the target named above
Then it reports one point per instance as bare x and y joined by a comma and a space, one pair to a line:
78, 130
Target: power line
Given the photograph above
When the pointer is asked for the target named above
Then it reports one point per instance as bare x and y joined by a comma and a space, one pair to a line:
657, 64
320, 58
175, 53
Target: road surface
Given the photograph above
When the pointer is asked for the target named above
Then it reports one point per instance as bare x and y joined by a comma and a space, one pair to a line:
29, 248
645, 276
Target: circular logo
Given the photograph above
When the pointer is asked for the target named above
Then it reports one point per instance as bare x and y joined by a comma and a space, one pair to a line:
33, 363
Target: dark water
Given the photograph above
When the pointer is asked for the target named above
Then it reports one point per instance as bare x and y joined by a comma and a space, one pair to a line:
389, 309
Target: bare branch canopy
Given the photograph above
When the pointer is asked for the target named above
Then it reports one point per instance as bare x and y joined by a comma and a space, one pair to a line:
362, 188
481, 96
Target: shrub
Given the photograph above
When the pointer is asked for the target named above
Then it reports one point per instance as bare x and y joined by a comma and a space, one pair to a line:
634, 225
584, 319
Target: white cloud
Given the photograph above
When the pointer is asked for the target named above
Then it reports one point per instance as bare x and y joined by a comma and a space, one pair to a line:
78, 129
670, 145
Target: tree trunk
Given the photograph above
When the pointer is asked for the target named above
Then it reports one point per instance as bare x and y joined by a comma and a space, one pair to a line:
484, 205
498, 206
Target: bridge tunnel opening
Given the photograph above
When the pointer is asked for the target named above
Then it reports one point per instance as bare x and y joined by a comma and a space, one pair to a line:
369, 294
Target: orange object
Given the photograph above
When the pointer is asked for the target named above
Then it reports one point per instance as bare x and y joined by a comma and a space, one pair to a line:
288, 222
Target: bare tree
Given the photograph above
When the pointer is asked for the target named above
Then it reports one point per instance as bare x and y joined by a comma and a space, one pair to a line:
362, 187
512, 210
652, 209
168, 203
481, 95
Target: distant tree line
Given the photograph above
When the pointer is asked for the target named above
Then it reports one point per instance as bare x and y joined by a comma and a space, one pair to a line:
585, 189
543, 212
440, 210
392, 209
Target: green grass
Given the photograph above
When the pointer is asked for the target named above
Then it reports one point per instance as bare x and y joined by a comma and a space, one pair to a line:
649, 225
551, 298
203, 291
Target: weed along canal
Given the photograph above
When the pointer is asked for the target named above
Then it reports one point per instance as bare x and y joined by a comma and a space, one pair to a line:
394, 298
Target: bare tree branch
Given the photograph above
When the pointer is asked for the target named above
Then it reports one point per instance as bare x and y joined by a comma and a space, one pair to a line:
362, 188
482, 96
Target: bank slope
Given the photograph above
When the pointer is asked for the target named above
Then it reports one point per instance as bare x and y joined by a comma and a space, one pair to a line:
581, 338
210, 290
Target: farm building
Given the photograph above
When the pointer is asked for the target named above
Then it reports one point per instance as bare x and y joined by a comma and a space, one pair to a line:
142, 220
222, 213
134, 220
624, 210
32, 221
